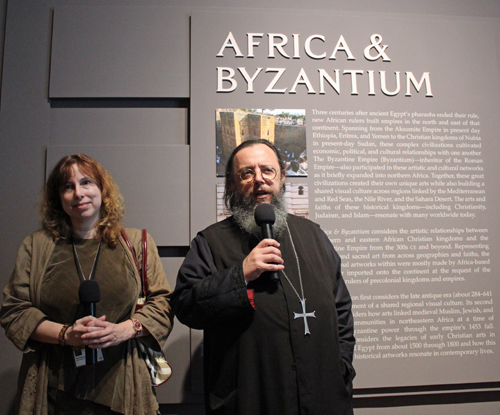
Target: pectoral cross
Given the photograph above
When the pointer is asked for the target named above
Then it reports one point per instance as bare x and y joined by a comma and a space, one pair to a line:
304, 315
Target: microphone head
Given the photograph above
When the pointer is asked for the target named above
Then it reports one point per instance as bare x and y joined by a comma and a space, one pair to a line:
89, 292
264, 213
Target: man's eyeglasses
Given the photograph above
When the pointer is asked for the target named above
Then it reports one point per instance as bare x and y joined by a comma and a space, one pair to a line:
248, 175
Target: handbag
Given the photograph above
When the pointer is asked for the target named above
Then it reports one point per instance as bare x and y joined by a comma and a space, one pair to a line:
159, 369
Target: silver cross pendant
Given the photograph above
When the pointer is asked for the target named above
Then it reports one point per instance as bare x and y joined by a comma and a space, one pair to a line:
304, 315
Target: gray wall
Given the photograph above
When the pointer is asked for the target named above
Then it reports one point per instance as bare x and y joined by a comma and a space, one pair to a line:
112, 78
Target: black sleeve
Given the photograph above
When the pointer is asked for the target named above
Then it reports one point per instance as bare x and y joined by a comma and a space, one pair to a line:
204, 296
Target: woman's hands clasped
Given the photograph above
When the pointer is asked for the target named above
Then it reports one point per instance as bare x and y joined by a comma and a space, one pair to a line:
97, 333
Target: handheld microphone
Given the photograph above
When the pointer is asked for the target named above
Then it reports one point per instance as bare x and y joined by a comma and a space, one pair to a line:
89, 294
265, 218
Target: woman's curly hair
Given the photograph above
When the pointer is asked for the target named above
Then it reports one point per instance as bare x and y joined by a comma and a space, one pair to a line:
57, 223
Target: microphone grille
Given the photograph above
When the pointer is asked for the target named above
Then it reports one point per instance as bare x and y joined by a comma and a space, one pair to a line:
264, 213
89, 292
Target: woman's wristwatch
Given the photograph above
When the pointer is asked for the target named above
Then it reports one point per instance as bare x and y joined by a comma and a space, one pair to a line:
136, 324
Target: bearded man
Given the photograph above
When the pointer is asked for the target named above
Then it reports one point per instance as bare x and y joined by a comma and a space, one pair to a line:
267, 350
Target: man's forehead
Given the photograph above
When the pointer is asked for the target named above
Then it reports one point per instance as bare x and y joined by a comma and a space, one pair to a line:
256, 154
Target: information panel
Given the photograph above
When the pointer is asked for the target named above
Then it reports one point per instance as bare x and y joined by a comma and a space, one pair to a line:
401, 119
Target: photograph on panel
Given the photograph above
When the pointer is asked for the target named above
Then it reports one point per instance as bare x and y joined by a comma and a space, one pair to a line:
285, 128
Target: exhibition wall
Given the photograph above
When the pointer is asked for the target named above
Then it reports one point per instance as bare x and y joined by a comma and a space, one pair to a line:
395, 104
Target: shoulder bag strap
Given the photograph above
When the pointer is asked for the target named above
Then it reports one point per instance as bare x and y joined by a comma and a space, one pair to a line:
144, 274
142, 271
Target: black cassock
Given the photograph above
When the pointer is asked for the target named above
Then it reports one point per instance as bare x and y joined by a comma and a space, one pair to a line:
259, 360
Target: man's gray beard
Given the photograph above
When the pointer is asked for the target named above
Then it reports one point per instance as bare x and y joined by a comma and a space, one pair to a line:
244, 214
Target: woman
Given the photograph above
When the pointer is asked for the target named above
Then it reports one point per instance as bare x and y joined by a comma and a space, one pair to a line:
41, 313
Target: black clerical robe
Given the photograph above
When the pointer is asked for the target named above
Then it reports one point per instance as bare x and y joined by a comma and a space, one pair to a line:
257, 358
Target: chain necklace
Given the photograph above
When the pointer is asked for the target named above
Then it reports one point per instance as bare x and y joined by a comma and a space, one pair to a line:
302, 299
79, 269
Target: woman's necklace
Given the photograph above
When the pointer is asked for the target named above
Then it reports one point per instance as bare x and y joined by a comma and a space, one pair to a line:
302, 299
79, 266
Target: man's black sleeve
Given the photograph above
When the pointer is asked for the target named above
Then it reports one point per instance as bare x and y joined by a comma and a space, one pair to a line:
204, 296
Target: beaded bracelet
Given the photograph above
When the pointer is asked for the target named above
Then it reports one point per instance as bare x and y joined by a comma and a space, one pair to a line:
60, 338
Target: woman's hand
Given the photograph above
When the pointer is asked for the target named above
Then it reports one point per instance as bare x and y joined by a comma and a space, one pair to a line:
101, 333
96, 333
74, 336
